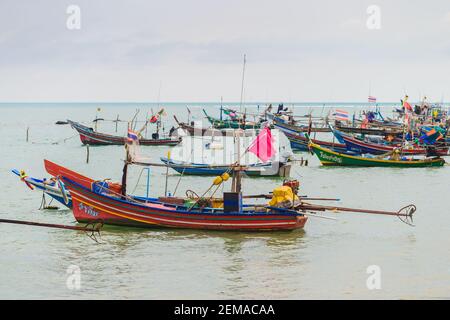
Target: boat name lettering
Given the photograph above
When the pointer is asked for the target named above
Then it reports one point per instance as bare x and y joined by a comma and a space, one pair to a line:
88, 210
330, 157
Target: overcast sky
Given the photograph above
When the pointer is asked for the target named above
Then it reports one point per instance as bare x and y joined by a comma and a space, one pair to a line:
192, 50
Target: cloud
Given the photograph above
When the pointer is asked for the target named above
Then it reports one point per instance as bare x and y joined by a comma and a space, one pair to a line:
296, 49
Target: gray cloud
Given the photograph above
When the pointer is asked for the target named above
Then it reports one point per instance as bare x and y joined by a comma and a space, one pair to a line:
196, 48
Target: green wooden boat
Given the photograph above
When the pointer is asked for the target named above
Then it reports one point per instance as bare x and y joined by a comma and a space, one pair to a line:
230, 124
330, 158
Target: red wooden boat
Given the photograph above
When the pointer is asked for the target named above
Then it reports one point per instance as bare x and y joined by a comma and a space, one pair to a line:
91, 137
93, 202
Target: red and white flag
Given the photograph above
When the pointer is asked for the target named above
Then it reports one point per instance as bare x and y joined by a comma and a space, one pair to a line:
341, 115
262, 146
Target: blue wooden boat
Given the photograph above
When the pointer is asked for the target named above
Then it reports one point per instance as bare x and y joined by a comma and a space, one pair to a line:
48, 186
269, 169
52, 188
298, 140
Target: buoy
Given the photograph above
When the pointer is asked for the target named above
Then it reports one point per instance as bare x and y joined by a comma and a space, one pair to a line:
218, 180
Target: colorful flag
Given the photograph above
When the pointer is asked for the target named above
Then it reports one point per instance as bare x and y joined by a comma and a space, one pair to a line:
262, 146
341, 115
406, 104
372, 99
160, 113
132, 136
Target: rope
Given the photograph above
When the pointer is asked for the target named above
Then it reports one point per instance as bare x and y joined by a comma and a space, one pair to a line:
139, 179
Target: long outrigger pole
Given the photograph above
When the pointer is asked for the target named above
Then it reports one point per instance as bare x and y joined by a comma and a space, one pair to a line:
91, 228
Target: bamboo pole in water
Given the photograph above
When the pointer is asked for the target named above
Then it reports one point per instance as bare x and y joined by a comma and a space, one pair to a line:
87, 153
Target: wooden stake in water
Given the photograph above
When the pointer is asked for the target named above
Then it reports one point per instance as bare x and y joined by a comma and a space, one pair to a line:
87, 153
28, 129
117, 121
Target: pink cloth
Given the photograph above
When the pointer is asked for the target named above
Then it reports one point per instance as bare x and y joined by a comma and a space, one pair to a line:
262, 146
158, 206
407, 106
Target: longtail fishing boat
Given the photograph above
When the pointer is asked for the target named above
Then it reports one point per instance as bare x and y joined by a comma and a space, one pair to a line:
239, 123
299, 141
331, 158
268, 169
370, 131
359, 146
93, 203
297, 128
90, 136
192, 130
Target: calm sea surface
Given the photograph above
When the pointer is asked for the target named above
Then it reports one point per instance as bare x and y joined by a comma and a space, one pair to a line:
328, 259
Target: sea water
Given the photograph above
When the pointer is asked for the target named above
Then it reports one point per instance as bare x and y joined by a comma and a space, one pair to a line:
356, 256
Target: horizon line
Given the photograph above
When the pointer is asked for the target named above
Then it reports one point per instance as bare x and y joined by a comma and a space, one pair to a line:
211, 102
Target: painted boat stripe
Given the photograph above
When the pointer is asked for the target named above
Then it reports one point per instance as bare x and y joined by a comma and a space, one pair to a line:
75, 195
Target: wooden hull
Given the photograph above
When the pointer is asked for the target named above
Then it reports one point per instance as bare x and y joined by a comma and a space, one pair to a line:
358, 146
230, 124
296, 128
89, 136
89, 206
370, 131
283, 170
330, 158
56, 170
300, 142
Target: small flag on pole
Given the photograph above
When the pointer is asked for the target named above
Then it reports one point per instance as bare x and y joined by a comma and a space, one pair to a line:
341, 115
262, 146
372, 99
132, 136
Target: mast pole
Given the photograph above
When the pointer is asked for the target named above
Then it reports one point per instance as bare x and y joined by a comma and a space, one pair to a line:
238, 171
221, 108
123, 190
242, 85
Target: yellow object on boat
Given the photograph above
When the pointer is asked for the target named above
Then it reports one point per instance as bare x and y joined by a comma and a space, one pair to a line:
217, 203
219, 179
281, 195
